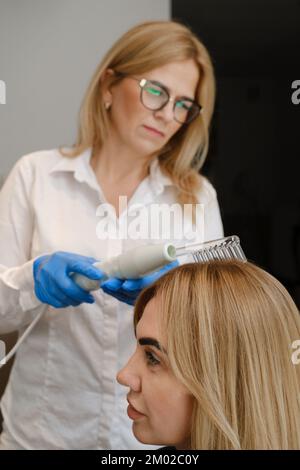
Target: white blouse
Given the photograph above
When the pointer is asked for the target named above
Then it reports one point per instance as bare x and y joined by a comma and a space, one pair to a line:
62, 392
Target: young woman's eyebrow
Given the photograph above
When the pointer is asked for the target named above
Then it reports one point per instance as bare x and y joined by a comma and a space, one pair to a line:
151, 342
164, 87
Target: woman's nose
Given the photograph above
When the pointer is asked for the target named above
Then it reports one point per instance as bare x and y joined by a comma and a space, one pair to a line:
129, 377
166, 112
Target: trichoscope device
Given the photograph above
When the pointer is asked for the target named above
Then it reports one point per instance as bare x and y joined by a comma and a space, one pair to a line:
142, 260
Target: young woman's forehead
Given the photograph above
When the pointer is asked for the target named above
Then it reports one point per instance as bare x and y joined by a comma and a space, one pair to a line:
149, 322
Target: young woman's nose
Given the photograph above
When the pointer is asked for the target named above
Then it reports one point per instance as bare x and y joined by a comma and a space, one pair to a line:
129, 377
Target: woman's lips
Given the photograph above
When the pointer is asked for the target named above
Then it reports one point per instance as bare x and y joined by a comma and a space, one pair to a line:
154, 131
133, 413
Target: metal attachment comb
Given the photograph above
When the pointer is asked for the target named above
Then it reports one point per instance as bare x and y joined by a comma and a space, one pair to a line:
222, 249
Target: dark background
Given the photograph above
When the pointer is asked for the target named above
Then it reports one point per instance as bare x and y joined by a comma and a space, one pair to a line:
253, 160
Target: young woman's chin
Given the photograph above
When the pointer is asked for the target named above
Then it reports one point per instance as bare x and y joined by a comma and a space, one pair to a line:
146, 438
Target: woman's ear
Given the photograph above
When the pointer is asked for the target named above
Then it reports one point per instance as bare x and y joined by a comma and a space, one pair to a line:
106, 80
108, 73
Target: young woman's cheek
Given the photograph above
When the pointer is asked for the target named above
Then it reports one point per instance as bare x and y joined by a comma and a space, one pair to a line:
160, 392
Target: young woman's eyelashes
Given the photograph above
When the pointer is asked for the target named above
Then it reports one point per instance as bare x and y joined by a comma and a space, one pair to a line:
151, 358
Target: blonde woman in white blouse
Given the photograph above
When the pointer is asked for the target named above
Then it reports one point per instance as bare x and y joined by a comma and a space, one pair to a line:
143, 135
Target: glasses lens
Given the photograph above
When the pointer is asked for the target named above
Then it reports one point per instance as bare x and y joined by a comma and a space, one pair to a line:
185, 111
153, 96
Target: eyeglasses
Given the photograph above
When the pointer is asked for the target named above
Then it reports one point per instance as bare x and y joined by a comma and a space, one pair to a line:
155, 96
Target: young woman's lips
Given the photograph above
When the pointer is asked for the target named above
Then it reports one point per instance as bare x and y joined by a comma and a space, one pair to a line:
154, 131
133, 413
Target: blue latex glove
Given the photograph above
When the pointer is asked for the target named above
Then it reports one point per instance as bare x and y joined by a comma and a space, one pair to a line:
54, 286
128, 290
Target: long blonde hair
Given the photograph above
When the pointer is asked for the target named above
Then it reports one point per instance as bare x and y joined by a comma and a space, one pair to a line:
141, 49
230, 328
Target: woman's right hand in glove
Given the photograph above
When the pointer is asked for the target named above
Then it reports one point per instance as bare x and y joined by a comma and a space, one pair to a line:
53, 284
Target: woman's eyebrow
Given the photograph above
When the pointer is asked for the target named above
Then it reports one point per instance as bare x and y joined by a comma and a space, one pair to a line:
151, 342
168, 90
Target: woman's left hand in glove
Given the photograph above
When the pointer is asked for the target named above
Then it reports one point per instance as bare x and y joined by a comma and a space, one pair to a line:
128, 290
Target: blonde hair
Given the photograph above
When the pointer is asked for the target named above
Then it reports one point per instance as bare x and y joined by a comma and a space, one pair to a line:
141, 49
230, 326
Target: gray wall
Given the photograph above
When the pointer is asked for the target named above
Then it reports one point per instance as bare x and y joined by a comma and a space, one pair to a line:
48, 52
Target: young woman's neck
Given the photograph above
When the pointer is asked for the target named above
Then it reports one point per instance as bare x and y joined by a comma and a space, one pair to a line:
184, 445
